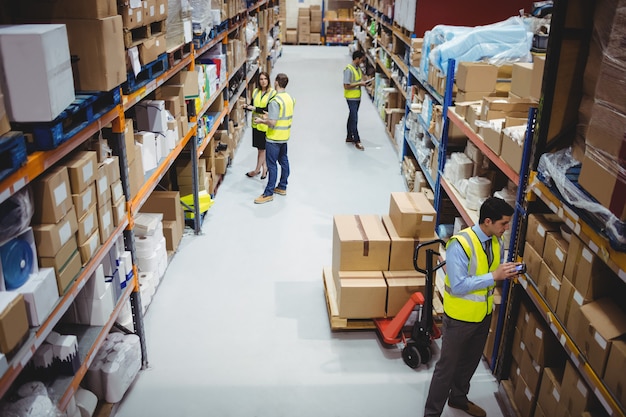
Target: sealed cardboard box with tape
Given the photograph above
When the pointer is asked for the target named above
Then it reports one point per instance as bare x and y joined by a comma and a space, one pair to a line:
360, 243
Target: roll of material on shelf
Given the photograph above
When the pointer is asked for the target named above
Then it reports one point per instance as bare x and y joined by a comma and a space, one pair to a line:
86, 402
145, 246
17, 262
148, 264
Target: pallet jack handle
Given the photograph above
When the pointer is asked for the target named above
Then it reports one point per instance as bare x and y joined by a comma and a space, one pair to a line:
431, 268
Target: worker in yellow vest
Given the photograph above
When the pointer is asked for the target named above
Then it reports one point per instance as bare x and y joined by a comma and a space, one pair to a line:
278, 120
352, 83
474, 263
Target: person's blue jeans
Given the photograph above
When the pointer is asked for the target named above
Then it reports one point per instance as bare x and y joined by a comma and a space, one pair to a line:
353, 120
276, 152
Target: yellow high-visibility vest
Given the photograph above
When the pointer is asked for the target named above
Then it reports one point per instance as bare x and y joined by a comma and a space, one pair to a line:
357, 75
282, 129
260, 101
474, 306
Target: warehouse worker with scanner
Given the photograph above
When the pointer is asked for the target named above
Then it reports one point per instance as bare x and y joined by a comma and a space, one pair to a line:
352, 83
278, 120
474, 262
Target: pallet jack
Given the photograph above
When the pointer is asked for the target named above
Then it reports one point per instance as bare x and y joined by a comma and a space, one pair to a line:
416, 343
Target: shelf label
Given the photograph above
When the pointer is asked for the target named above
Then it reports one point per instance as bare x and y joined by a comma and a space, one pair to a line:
575, 360
556, 394
562, 340
587, 255
593, 246
571, 213
5, 194
537, 191
554, 329
553, 207
569, 223
560, 213
622, 274
603, 400
577, 228
523, 282
582, 387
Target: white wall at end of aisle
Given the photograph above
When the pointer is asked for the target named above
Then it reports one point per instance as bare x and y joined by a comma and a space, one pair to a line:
292, 10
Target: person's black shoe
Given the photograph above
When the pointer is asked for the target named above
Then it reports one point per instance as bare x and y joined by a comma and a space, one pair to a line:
349, 140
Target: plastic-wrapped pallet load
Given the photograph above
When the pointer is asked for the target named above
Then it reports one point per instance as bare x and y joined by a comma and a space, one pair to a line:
201, 16
32, 401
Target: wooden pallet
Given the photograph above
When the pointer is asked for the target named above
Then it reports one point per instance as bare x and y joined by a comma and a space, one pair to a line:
177, 54
336, 322
135, 36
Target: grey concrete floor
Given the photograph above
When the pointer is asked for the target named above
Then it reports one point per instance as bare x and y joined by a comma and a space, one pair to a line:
239, 326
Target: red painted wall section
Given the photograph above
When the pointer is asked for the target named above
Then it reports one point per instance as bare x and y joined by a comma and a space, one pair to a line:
465, 12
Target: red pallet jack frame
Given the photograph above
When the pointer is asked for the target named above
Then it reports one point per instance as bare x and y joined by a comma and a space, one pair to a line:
416, 343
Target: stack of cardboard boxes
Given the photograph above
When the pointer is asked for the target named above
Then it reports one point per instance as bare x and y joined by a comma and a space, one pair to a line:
603, 112
168, 203
581, 292
144, 29
316, 25
372, 266
304, 25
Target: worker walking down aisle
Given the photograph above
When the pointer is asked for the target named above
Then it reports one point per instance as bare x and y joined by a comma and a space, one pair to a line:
239, 326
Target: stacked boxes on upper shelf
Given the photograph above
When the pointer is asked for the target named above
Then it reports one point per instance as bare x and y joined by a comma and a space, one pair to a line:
372, 267
603, 112
144, 29
304, 25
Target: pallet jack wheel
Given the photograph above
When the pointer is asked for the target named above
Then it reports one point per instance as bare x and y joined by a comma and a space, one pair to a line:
425, 353
411, 356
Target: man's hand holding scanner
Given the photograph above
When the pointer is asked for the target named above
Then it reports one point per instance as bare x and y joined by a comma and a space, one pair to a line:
508, 270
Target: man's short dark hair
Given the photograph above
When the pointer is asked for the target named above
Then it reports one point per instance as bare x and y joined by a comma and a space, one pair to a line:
494, 208
357, 55
282, 80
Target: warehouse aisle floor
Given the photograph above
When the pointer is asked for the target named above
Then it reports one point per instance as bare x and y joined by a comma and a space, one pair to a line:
239, 325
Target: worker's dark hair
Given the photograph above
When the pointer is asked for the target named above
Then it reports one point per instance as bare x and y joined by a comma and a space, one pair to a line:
494, 208
357, 55
282, 80
267, 77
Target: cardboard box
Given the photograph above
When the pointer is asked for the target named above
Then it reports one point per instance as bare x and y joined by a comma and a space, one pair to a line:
118, 210
59, 260
550, 391
89, 247
465, 96
221, 163
166, 202
532, 261
103, 191
613, 377
538, 226
85, 200
105, 222
576, 396
518, 347
566, 293
541, 343
549, 285
150, 49
539, 63
50, 237
69, 272
506, 105
360, 294
137, 176
53, 196
531, 371
82, 169
44, 72
473, 114
525, 399
403, 249
602, 321
13, 320
87, 225
132, 17
521, 79
476, 76
151, 116
40, 295
315, 39
173, 234
99, 46
555, 253
189, 80
511, 152
606, 129
360, 243
291, 36
117, 191
400, 286
493, 139
412, 214
602, 182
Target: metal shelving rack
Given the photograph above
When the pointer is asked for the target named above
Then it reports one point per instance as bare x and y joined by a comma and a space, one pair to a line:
92, 337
